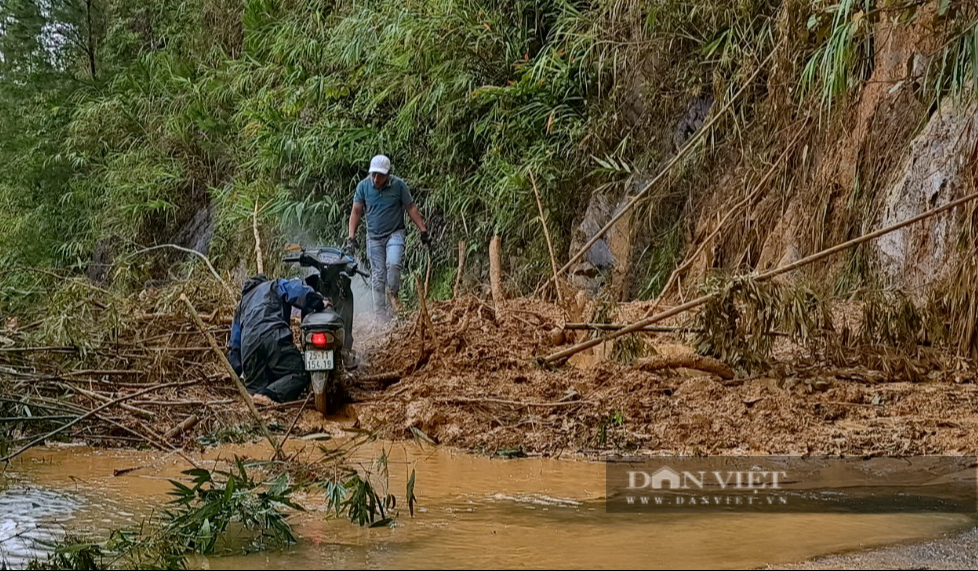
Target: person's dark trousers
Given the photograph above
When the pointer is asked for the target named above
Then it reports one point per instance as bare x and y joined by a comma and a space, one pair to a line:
276, 370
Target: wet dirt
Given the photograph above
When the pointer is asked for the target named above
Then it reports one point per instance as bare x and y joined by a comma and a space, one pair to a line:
475, 384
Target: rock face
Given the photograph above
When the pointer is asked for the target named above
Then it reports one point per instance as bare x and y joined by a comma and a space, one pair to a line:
936, 171
196, 234
694, 119
606, 263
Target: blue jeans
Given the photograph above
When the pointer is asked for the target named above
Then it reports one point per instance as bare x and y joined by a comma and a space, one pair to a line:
385, 268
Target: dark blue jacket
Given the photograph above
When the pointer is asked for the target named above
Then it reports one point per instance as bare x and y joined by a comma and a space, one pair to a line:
264, 314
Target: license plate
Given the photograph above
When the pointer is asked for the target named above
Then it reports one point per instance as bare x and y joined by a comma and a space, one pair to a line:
319, 360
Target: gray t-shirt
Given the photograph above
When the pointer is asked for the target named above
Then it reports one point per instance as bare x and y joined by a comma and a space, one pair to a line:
384, 207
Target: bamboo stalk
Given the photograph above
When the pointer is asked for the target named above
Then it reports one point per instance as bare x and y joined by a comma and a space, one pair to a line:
546, 234
674, 277
649, 329
461, 268
206, 260
639, 325
496, 273
295, 420
259, 259
88, 414
234, 376
106, 398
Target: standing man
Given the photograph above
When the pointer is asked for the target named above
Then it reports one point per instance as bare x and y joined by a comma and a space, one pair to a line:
384, 199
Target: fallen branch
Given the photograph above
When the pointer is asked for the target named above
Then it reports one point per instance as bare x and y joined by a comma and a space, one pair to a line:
195, 253
697, 362
89, 414
105, 398
462, 400
296, 419
391, 377
234, 376
16, 419
691, 259
184, 426
102, 373
639, 325
184, 403
38, 350
649, 329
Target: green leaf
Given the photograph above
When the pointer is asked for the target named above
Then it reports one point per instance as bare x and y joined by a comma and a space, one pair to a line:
411, 498
812, 22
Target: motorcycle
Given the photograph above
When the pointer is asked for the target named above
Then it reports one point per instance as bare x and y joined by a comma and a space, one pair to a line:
326, 339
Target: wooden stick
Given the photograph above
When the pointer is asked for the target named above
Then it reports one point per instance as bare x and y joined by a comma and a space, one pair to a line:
295, 421
463, 400
182, 427
184, 403
88, 414
427, 274
496, 273
16, 419
461, 268
391, 377
425, 316
259, 260
227, 365
639, 325
546, 233
105, 398
687, 148
105, 373
38, 350
154, 439
195, 253
649, 329
697, 362
691, 259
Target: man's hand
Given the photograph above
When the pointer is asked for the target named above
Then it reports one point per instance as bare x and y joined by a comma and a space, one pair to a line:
351, 247
315, 302
426, 238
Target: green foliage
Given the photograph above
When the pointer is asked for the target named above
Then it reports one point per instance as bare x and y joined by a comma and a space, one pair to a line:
124, 121
740, 324
613, 423
891, 319
846, 51
73, 554
663, 258
200, 515
845, 34
354, 494
123, 550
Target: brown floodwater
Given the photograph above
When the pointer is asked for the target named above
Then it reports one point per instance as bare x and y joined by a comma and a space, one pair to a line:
473, 512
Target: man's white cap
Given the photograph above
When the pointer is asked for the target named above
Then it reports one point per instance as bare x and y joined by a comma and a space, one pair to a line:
380, 164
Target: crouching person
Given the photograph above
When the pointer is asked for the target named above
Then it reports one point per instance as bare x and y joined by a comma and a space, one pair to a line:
261, 346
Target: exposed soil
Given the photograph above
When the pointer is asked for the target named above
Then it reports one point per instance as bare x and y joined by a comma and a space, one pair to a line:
476, 385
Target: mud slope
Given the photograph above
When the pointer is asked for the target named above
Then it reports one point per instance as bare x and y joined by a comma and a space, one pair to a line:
475, 384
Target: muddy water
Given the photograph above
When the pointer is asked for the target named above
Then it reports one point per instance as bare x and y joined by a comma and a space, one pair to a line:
475, 512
